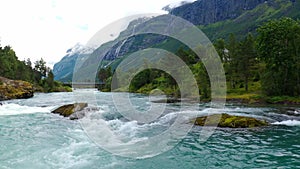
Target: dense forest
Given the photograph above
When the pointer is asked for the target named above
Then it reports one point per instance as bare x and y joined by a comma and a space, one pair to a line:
36, 73
265, 66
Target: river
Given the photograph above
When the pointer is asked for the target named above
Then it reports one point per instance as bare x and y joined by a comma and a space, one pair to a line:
31, 137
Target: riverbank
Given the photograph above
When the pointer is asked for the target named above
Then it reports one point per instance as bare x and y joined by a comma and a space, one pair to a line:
247, 99
237, 96
57, 87
18, 89
262, 99
254, 95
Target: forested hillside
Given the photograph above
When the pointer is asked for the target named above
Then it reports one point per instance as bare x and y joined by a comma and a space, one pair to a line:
265, 67
36, 73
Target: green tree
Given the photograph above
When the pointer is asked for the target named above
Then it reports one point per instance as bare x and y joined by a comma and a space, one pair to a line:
50, 80
140, 80
221, 49
104, 74
247, 59
8, 63
231, 67
40, 66
202, 79
28, 62
186, 55
278, 46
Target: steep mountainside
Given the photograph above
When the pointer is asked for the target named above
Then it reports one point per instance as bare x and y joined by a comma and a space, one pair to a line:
216, 18
204, 12
248, 20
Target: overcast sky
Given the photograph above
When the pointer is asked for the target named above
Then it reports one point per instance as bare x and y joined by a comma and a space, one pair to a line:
47, 28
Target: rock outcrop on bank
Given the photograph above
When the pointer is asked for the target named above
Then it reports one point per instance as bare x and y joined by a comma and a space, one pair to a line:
229, 121
15, 89
70, 110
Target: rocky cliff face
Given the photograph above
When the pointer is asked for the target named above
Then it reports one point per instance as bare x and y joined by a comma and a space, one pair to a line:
15, 89
204, 12
133, 44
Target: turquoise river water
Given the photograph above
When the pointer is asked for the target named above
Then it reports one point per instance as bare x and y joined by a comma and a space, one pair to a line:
33, 138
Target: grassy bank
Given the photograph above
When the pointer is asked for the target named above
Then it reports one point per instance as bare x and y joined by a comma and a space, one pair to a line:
255, 96
56, 87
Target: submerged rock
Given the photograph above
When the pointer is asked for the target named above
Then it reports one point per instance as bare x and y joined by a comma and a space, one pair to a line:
68, 110
15, 89
291, 111
229, 121
81, 114
168, 100
77, 115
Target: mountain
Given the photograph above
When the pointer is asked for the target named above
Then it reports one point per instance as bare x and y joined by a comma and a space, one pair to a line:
63, 70
219, 18
204, 12
216, 18
174, 5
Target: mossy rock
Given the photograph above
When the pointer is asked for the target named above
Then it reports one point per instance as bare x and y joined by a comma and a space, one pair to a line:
229, 121
68, 110
15, 89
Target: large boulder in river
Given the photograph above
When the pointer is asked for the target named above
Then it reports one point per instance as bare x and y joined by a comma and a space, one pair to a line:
229, 121
15, 89
68, 110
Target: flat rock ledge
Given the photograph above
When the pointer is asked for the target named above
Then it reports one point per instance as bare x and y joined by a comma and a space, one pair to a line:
70, 110
229, 121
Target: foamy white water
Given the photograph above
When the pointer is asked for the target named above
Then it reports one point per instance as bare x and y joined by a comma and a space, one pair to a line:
15, 109
288, 123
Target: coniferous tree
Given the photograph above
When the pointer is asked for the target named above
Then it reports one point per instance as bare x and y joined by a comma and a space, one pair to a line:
231, 67
247, 59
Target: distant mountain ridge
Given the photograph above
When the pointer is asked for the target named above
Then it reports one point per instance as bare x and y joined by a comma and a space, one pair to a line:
216, 18
63, 70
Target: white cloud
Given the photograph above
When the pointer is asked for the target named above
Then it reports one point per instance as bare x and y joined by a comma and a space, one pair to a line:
47, 28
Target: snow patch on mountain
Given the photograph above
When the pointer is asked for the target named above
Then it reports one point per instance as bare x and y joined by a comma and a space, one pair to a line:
79, 49
177, 4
